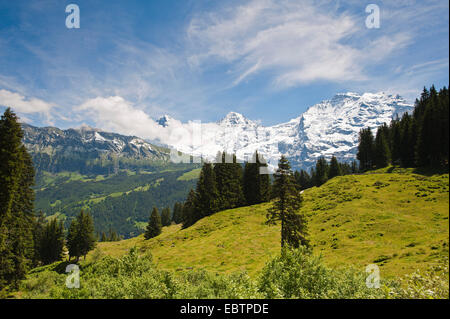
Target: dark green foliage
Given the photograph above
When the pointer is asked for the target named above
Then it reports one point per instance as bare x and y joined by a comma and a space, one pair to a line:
286, 208
165, 217
51, 242
321, 171
381, 156
189, 216
417, 140
177, 216
154, 224
121, 212
366, 148
206, 193
228, 174
256, 183
16, 202
335, 168
81, 237
302, 179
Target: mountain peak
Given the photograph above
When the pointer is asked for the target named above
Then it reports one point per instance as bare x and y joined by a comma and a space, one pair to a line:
234, 118
164, 120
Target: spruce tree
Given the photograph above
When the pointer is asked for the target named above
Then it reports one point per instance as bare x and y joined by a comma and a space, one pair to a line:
228, 175
154, 225
206, 194
189, 214
381, 154
365, 149
177, 213
256, 181
81, 236
286, 208
335, 169
321, 171
52, 242
16, 202
165, 217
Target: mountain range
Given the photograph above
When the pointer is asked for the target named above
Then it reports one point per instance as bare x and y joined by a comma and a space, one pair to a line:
325, 129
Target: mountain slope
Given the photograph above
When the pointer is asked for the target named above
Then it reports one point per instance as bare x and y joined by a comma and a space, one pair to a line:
325, 129
398, 220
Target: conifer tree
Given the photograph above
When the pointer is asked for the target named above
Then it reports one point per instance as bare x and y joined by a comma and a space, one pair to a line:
365, 149
52, 242
154, 225
335, 169
354, 168
177, 213
165, 217
81, 236
286, 208
256, 181
16, 202
321, 171
206, 194
189, 214
381, 154
228, 175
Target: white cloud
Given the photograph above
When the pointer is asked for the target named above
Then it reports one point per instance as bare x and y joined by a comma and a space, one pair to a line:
21, 104
297, 42
116, 114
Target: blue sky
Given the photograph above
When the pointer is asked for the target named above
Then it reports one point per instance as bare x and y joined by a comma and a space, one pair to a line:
198, 60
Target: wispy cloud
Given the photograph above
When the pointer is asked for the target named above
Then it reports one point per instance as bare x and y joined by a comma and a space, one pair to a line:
298, 42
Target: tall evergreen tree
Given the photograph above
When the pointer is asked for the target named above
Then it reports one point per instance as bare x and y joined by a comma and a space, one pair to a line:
228, 175
321, 171
256, 181
52, 242
154, 225
81, 236
165, 217
335, 169
286, 208
381, 155
16, 202
206, 194
177, 213
189, 213
365, 149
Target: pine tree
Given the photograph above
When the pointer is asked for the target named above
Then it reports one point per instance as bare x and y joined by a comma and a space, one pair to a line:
335, 169
189, 214
381, 154
321, 171
365, 149
256, 181
52, 242
165, 217
228, 175
81, 236
16, 202
177, 213
206, 194
103, 237
286, 208
154, 225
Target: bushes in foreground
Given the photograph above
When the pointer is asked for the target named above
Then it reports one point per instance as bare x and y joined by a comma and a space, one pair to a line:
294, 274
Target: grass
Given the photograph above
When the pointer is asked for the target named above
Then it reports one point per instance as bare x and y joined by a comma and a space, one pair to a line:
195, 173
396, 219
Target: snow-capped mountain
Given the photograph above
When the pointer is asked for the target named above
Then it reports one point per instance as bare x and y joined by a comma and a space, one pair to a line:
51, 147
325, 129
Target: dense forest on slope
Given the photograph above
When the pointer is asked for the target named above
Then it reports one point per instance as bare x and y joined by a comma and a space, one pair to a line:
120, 202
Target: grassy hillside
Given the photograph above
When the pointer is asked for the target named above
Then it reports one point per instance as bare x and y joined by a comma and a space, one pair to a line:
392, 217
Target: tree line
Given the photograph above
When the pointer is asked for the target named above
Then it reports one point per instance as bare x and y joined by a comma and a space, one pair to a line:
323, 171
420, 139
